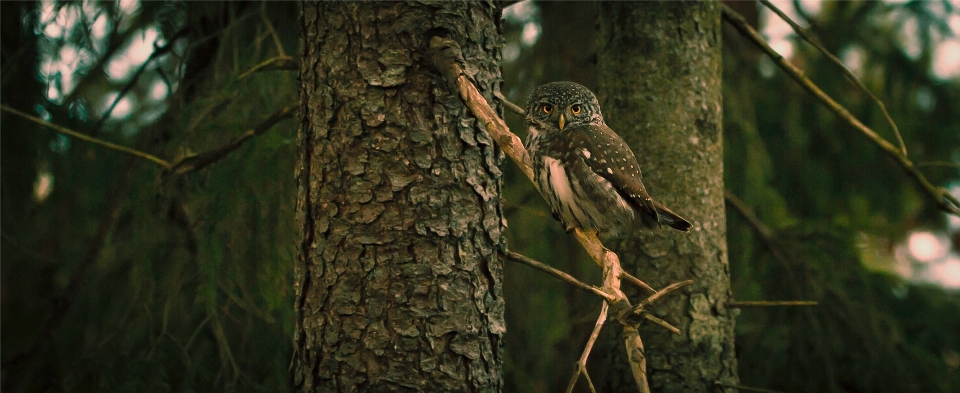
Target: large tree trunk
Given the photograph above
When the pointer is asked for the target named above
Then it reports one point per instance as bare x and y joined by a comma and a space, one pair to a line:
399, 275
660, 88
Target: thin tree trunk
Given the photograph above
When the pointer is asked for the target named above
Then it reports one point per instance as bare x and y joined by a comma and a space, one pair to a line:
399, 274
660, 88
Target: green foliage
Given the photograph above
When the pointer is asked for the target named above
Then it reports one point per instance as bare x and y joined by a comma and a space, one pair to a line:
192, 286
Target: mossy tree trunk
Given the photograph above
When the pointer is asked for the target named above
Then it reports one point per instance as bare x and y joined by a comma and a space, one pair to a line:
659, 83
399, 274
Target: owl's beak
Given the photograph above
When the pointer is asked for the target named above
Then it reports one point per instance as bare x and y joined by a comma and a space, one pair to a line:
561, 122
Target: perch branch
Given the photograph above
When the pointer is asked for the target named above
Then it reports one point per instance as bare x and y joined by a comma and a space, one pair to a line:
87, 138
803, 33
766, 303
943, 198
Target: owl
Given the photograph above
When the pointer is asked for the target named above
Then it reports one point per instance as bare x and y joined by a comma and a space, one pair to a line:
588, 174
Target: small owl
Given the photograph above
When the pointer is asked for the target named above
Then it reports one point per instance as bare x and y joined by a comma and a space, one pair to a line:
589, 175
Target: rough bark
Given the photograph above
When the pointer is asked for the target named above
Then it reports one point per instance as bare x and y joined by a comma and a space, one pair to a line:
660, 88
399, 274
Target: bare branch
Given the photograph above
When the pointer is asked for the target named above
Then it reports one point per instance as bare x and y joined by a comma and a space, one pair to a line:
803, 33
945, 201
276, 63
87, 138
768, 303
637, 282
559, 274
662, 323
273, 32
196, 162
511, 106
661, 293
582, 362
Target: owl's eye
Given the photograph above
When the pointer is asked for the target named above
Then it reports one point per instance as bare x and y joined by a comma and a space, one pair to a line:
546, 108
576, 109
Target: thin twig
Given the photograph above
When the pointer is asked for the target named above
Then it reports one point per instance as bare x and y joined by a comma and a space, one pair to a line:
746, 388
273, 32
767, 303
662, 323
637, 282
276, 63
87, 138
199, 161
511, 106
661, 293
559, 274
803, 33
943, 198
157, 52
582, 362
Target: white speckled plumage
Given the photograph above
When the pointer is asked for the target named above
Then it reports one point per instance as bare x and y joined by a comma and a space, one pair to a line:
588, 175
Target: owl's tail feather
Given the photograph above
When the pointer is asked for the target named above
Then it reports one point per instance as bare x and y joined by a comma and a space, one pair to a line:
667, 216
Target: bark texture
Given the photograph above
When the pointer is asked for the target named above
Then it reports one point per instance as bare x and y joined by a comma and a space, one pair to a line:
659, 83
399, 275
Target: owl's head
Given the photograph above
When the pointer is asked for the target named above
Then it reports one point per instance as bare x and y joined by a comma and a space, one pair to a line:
556, 106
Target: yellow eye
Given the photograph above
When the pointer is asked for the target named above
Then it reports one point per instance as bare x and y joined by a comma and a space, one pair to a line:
576, 109
547, 108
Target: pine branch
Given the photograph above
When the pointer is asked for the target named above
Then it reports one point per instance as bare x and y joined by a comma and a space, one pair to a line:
66, 131
944, 200
846, 72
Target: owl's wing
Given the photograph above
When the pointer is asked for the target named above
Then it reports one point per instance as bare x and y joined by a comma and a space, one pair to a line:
607, 155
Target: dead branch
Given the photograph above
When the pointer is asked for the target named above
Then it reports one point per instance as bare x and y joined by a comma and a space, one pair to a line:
803, 33
582, 362
66, 131
276, 63
559, 274
196, 162
945, 201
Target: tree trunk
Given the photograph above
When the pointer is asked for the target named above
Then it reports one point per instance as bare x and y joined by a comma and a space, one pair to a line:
399, 274
660, 88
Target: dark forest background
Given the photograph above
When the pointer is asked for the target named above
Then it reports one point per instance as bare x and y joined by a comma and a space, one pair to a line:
118, 274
